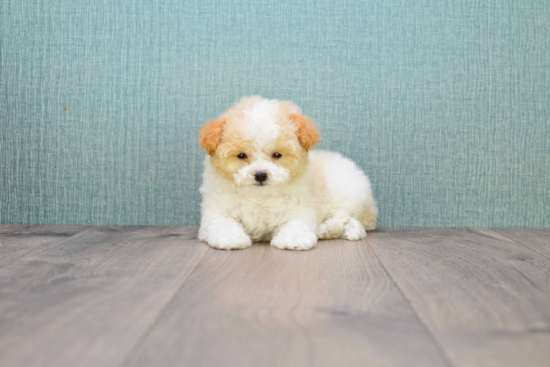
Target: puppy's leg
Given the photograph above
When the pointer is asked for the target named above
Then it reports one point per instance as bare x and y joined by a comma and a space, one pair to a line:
354, 230
332, 228
368, 219
296, 234
341, 227
223, 233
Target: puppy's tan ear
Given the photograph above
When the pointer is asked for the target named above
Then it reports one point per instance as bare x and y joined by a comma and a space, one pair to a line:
306, 131
210, 135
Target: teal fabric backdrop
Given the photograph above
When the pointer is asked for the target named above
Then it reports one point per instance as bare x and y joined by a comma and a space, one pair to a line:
445, 104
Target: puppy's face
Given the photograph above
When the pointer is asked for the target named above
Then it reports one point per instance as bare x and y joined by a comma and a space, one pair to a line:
259, 142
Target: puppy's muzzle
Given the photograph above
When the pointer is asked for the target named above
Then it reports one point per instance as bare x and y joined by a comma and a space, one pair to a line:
260, 176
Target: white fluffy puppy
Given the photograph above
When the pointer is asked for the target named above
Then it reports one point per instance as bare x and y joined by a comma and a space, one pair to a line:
261, 182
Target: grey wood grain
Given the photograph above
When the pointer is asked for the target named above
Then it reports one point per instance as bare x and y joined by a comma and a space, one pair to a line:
88, 300
485, 298
537, 239
17, 241
332, 306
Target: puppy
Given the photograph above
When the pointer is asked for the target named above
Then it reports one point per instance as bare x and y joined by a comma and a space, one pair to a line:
261, 182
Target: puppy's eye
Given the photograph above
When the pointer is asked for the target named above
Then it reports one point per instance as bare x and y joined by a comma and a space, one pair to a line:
241, 156
277, 155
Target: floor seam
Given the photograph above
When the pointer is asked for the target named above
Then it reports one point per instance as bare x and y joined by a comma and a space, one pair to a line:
133, 351
434, 340
49, 244
519, 243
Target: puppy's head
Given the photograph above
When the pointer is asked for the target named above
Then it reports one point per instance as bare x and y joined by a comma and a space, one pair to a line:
259, 142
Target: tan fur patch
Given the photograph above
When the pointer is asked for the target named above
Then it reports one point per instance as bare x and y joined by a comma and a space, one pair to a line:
210, 135
306, 131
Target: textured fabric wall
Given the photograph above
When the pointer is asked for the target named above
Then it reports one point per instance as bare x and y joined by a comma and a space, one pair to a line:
445, 104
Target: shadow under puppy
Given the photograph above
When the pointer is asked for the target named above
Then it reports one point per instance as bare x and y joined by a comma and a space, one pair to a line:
261, 182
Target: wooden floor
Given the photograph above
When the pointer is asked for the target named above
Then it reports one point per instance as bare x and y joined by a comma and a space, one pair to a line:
156, 296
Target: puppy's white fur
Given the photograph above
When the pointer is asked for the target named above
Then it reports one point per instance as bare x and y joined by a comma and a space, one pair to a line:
307, 195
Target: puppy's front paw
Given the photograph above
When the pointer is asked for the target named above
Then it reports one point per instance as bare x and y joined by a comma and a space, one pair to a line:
231, 240
354, 230
332, 228
301, 241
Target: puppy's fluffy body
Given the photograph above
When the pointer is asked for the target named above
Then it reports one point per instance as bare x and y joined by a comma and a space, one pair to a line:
304, 195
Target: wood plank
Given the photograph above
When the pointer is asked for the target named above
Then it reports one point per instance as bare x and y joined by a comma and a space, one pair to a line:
88, 300
485, 298
332, 306
537, 239
17, 241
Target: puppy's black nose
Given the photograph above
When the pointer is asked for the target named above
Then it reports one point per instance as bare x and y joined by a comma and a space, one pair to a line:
260, 176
